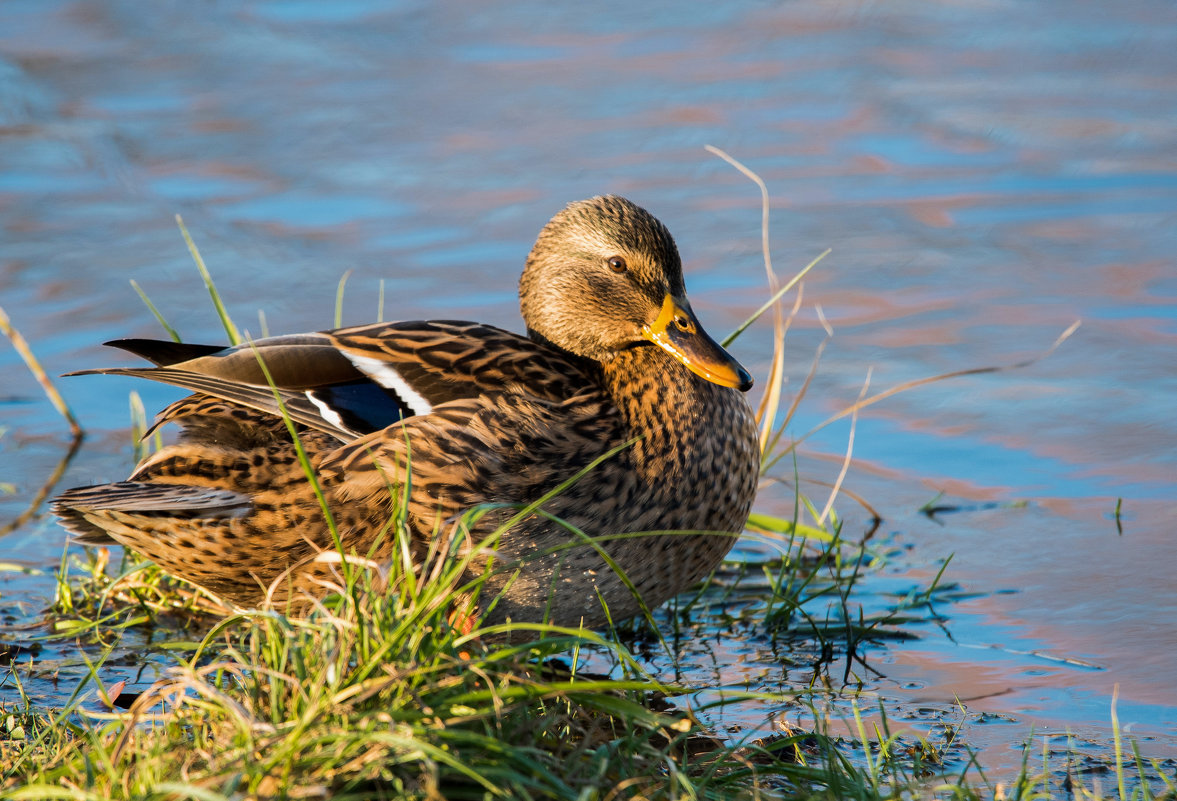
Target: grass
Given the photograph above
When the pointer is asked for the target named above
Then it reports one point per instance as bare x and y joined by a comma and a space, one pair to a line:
374, 694
26, 354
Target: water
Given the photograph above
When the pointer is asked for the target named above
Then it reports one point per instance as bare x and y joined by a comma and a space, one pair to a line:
985, 172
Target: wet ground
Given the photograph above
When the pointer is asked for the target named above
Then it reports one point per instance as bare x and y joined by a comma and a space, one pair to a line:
985, 173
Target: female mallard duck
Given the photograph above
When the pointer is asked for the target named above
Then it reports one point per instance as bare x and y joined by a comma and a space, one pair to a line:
616, 369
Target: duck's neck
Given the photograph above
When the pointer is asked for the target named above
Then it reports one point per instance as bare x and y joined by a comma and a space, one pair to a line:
673, 414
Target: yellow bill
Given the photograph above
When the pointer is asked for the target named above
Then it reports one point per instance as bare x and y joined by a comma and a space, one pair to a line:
677, 331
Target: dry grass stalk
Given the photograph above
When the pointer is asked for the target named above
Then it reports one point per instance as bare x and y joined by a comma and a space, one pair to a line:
30, 359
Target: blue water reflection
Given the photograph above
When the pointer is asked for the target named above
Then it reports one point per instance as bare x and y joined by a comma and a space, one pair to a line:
984, 173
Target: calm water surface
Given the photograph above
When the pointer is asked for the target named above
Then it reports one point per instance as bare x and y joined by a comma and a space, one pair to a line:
985, 172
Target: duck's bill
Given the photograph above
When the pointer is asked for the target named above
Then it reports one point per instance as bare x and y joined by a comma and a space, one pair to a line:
678, 332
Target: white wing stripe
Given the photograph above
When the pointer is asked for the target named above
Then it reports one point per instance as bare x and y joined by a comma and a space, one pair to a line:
328, 414
383, 374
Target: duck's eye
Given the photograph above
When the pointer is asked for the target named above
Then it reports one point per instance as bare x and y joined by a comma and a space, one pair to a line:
617, 264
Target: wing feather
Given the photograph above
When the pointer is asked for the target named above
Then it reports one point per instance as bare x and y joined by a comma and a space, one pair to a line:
353, 381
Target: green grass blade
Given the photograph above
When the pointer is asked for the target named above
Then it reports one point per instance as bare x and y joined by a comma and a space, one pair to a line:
175, 335
756, 315
230, 329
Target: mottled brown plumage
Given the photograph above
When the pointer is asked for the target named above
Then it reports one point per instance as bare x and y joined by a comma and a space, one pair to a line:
615, 362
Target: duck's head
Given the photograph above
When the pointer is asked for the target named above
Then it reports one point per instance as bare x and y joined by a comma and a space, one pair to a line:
605, 276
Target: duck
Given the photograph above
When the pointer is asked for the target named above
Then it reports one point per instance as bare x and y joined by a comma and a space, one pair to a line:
610, 453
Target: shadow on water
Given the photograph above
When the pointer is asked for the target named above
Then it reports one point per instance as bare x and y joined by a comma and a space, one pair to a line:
985, 174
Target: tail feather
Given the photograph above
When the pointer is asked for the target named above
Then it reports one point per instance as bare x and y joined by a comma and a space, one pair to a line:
163, 353
81, 509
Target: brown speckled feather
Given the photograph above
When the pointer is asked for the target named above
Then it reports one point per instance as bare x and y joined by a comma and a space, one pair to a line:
615, 362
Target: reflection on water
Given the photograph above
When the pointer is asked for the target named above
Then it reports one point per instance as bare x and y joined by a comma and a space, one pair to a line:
985, 174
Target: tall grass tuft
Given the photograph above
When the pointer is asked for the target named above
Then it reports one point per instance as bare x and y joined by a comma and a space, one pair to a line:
375, 694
